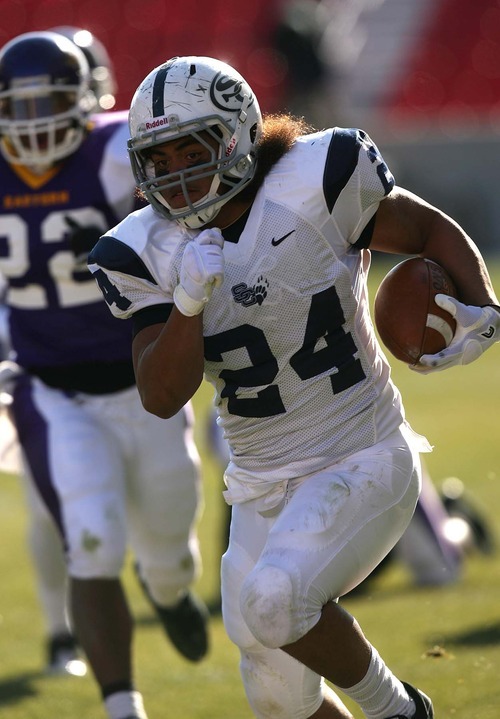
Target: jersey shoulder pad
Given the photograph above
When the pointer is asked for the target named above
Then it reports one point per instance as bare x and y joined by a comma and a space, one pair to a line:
143, 246
115, 256
352, 152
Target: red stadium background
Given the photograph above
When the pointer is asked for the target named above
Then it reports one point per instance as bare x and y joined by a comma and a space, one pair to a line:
433, 103
453, 71
451, 68
141, 34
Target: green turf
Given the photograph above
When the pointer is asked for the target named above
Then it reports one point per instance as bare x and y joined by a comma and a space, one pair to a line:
458, 412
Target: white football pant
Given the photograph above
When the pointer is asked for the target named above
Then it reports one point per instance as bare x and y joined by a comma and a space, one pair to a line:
119, 477
279, 571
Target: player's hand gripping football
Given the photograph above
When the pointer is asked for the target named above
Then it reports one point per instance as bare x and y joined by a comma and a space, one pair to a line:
477, 329
202, 269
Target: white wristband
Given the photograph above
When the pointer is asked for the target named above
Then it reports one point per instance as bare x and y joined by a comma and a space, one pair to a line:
185, 304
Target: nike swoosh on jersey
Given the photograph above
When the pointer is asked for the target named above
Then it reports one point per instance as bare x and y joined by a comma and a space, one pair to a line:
275, 242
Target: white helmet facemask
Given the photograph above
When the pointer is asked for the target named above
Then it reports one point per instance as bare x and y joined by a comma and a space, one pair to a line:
209, 101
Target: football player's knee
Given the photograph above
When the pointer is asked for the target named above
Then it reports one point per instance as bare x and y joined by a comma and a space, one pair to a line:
94, 558
266, 603
234, 566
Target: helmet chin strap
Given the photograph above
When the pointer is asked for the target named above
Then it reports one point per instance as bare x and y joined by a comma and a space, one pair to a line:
232, 144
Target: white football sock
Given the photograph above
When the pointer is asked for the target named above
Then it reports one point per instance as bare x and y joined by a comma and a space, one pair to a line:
380, 694
121, 705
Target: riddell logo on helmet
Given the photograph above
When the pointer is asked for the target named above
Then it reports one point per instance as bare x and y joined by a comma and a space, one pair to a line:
159, 122
231, 146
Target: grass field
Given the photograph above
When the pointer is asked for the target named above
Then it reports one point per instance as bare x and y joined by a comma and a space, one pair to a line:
458, 412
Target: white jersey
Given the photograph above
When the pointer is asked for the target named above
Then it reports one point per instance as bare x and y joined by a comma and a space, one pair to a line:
290, 349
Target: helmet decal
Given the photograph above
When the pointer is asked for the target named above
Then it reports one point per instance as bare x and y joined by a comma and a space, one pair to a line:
225, 93
159, 91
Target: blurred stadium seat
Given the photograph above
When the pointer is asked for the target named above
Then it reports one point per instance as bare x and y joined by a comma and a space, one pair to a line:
140, 36
454, 71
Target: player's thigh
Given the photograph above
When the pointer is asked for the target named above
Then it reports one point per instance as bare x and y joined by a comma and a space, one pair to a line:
82, 464
248, 535
162, 446
164, 478
336, 527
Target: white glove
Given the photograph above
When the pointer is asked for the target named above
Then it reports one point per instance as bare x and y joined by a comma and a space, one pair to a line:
202, 269
477, 329
9, 371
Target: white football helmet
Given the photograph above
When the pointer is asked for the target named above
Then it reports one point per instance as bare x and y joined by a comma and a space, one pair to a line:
45, 99
201, 97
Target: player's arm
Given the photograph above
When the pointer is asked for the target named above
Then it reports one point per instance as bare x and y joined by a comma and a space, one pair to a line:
168, 359
167, 348
168, 362
168, 327
371, 211
396, 221
405, 224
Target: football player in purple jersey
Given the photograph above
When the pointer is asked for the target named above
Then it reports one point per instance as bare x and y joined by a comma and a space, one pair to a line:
110, 474
44, 541
250, 268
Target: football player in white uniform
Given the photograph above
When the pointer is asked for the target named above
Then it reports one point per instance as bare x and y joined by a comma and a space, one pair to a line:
250, 265
110, 474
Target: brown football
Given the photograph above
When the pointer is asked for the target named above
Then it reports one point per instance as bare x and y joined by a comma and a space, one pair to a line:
407, 318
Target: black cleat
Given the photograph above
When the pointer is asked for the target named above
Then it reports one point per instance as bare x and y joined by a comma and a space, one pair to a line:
424, 708
186, 626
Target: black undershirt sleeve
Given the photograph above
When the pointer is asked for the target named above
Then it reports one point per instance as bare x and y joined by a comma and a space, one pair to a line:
157, 314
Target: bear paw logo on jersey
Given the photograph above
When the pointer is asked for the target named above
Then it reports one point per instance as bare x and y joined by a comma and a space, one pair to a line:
225, 93
248, 296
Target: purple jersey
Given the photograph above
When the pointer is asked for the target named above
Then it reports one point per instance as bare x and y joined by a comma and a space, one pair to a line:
57, 315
